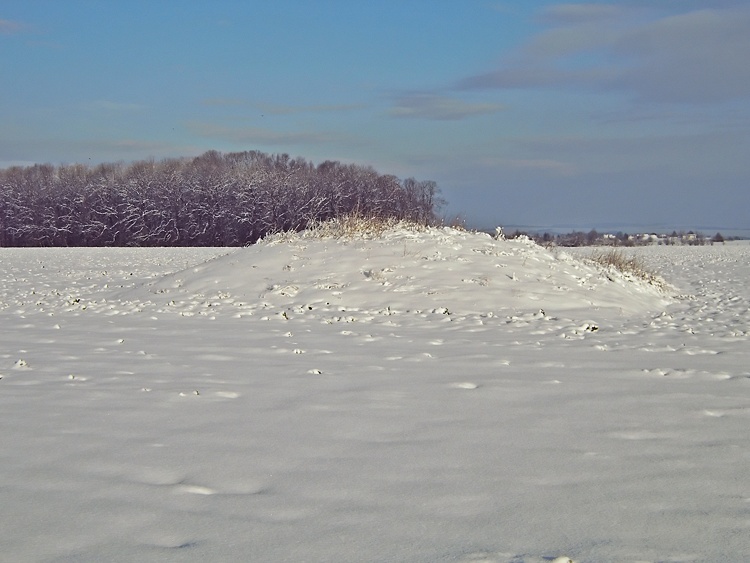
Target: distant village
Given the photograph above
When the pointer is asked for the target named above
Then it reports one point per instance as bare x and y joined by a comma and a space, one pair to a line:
594, 238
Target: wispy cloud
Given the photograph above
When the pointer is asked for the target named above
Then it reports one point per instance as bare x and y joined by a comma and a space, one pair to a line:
695, 57
8, 27
259, 135
224, 102
577, 13
503, 7
555, 167
137, 145
10, 163
546, 166
690, 57
434, 107
98, 149
280, 109
109, 105
274, 109
114, 149
715, 154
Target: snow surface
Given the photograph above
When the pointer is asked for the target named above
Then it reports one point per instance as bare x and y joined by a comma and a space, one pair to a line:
421, 397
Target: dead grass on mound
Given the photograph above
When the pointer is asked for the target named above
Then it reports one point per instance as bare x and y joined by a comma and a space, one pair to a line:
348, 227
358, 226
629, 265
351, 226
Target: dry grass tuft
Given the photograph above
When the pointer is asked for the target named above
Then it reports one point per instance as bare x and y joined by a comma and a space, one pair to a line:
628, 265
353, 226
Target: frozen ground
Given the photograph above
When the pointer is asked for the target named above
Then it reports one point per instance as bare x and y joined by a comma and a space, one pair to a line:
422, 397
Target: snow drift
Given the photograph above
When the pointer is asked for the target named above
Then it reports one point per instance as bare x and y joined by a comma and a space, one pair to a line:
404, 271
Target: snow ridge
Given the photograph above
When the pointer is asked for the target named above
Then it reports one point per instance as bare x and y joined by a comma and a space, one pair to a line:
436, 270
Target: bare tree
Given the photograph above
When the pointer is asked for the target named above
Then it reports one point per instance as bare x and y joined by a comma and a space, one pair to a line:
214, 199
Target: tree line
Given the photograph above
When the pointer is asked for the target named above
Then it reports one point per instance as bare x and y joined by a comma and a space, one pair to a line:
212, 200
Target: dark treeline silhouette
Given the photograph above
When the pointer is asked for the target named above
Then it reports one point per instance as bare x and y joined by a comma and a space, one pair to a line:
212, 200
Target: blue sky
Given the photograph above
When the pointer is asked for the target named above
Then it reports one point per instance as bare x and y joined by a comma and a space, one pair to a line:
524, 112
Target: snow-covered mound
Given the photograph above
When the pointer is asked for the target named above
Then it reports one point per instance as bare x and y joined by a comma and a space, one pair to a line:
443, 271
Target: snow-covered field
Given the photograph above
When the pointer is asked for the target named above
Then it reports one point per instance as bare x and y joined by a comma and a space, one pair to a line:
421, 397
